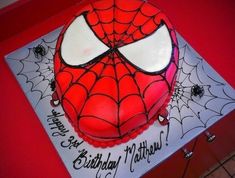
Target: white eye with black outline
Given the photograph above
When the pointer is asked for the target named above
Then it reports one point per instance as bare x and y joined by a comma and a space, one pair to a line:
152, 53
80, 45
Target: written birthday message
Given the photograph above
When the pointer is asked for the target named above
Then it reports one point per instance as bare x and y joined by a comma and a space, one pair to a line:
104, 164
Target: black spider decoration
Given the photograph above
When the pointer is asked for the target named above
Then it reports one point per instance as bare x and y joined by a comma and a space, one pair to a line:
39, 50
197, 90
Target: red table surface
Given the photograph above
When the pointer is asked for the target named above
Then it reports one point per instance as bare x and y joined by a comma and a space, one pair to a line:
26, 150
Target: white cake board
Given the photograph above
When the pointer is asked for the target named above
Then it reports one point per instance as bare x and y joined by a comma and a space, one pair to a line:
189, 116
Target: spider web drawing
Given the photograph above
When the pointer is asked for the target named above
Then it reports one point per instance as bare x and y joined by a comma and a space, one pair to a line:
36, 71
188, 112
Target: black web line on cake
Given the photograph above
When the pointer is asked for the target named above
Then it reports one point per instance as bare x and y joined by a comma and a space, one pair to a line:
125, 36
131, 72
111, 57
191, 72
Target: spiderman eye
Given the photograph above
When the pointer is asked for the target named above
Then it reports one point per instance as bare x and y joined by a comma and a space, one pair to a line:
80, 45
153, 53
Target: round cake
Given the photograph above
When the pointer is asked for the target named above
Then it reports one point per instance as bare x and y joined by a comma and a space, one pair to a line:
115, 67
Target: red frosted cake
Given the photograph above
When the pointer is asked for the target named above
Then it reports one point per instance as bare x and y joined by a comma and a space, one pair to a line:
115, 67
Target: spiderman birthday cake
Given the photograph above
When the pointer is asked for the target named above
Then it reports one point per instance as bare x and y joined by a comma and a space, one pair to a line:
115, 67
